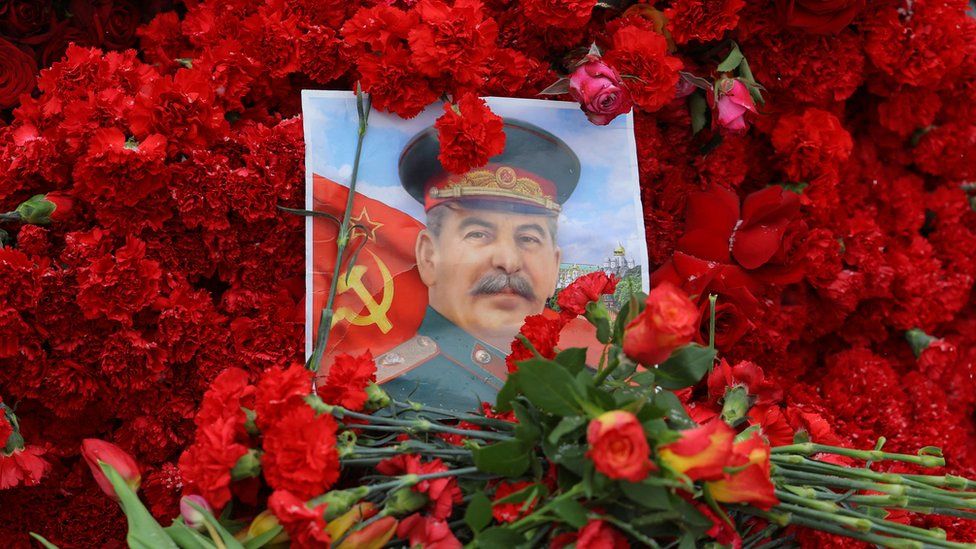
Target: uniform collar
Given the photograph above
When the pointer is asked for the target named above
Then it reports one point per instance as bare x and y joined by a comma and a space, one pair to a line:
462, 346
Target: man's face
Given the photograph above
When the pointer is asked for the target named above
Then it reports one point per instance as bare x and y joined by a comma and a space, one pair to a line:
487, 270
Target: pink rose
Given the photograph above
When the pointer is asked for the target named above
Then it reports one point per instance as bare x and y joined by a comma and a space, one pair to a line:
599, 90
732, 104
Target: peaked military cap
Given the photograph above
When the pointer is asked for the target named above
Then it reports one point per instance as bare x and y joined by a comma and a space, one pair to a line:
536, 171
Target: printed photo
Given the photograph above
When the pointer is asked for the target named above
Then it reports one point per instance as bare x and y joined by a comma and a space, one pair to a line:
447, 267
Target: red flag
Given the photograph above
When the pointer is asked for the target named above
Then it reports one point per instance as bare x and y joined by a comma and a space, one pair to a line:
382, 301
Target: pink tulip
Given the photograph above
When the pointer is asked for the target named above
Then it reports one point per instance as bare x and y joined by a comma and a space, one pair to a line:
191, 517
95, 451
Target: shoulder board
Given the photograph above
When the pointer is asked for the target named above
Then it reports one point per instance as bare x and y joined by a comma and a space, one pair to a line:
404, 357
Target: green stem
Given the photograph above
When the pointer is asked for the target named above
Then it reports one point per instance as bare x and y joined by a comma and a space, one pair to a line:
405, 481
712, 298
10, 216
325, 320
424, 426
810, 448
539, 514
883, 541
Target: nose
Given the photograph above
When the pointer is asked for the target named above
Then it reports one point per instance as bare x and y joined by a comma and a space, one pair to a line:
506, 257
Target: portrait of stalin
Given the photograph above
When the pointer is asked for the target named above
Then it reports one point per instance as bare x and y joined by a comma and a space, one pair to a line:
488, 256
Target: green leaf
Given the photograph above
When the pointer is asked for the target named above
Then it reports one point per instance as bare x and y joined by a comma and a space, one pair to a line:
230, 542
144, 531
669, 406
685, 367
573, 359
186, 537
508, 392
565, 426
571, 512
478, 513
644, 379
698, 108
651, 497
599, 316
918, 340
499, 538
627, 313
549, 386
40, 539
509, 458
260, 541
527, 430
732, 60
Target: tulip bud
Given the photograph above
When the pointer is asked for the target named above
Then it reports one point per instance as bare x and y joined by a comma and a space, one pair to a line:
191, 517
359, 512
263, 523
97, 451
376, 397
373, 536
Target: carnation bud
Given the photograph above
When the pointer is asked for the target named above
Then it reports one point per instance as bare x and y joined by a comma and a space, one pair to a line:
918, 340
376, 397
192, 517
247, 466
36, 210
97, 451
404, 501
339, 501
736, 405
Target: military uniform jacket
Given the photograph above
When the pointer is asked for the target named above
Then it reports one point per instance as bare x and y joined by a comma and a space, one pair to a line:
442, 366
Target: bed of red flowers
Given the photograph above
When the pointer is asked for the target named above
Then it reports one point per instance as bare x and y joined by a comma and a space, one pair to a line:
821, 188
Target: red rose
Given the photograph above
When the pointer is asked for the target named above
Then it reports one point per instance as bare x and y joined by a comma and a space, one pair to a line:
306, 527
701, 453
17, 74
300, 453
598, 534
618, 446
427, 532
469, 134
114, 22
819, 16
277, 389
97, 451
27, 18
347, 380
599, 90
669, 321
643, 54
750, 484
574, 298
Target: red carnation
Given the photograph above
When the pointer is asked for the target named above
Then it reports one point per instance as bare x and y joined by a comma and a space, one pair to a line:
819, 16
618, 446
207, 463
511, 511
24, 466
305, 526
347, 380
573, 299
746, 374
120, 171
469, 134
598, 534
300, 453
427, 532
118, 285
643, 55
560, 14
443, 493
277, 389
452, 41
5, 428
542, 331
225, 396
702, 20
813, 143
18, 70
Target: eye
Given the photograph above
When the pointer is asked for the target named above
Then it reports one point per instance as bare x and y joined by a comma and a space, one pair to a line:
529, 239
476, 235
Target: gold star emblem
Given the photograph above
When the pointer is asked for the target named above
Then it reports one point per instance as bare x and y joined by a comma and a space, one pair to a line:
367, 225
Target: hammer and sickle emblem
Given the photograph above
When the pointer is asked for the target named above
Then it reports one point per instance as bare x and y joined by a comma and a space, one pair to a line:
377, 311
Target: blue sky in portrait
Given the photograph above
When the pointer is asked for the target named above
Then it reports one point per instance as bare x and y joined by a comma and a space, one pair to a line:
603, 212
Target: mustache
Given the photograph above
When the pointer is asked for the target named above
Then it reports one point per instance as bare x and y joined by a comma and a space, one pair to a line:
493, 283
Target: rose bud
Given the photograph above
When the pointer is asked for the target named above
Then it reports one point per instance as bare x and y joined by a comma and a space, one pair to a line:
750, 482
732, 103
668, 322
97, 451
599, 90
618, 446
702, 453
191, 517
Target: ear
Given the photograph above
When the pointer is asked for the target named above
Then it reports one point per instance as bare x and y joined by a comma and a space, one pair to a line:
555, 273
426, 251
